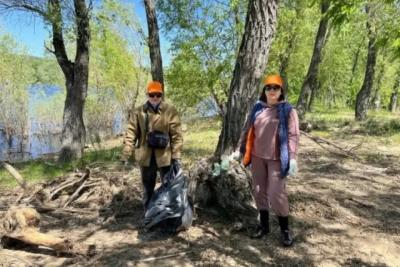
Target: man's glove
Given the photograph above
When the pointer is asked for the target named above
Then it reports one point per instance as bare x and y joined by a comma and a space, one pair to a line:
176, 163
292, 167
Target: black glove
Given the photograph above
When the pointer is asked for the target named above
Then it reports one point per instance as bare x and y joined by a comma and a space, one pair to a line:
176, 163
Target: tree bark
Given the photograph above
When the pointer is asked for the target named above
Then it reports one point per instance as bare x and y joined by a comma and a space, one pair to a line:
311, 82
154, 42
365, 91
249, 68
395, 94
76, 76
376, 99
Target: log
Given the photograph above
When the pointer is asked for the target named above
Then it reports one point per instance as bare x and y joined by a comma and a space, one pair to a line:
21, 223
17, 176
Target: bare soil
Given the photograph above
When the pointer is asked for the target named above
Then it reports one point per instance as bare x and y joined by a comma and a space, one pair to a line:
344, 212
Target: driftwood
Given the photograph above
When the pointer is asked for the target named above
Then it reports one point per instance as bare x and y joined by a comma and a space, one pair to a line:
21, 223
320, 141
20, 180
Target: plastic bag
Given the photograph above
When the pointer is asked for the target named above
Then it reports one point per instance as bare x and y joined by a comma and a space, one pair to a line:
169, 207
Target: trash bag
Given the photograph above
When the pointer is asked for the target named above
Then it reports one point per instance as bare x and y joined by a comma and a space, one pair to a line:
169, 206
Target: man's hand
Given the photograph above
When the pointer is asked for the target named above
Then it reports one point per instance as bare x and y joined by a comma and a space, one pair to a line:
293, 167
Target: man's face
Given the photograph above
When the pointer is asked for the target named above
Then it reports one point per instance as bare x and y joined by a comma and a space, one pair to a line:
154, 98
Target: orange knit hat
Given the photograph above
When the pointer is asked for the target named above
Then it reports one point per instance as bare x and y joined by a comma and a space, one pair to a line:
154, 87
274, 79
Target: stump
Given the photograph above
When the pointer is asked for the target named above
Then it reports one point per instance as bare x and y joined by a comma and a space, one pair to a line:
230, 190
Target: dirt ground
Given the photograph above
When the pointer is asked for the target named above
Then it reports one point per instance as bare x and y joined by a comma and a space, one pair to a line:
344, 212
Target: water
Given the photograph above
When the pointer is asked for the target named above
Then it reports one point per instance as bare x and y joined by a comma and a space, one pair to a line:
41, 138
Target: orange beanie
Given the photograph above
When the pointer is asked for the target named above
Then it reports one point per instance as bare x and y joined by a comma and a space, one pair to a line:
274, 79
154, 87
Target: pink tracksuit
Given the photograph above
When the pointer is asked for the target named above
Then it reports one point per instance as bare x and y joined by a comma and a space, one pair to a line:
268, 188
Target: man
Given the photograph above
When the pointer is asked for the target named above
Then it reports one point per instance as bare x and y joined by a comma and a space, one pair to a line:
155, 129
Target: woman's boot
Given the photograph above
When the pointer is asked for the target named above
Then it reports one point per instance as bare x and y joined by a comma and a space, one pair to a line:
286, 237
263, 227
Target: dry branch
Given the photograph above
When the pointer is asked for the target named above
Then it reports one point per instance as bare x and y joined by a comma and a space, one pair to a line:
63, 186
342, 151
15, 174
164, 257
76, 193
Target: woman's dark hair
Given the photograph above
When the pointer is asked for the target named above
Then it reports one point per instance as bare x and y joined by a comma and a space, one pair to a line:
263, 97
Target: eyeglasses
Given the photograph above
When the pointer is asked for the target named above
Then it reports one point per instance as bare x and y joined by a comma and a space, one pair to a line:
272, 87
155, 95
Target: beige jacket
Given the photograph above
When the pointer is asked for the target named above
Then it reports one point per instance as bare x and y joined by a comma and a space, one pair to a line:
166, 120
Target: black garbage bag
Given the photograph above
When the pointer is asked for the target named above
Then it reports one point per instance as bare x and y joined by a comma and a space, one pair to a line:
169, 206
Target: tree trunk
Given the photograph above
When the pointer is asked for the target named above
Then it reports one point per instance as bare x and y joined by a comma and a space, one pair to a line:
365, 92
154, 42
310, 82
76, 76
76, 73
376, 100
395, 94
249, 68
350, 101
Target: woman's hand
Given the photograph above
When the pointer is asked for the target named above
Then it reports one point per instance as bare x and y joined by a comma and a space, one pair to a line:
292, 167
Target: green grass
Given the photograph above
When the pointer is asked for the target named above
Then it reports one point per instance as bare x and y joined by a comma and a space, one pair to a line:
45, 170
379, 123
200, 140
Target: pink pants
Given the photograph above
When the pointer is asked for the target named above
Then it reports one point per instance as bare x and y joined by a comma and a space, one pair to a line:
268, 188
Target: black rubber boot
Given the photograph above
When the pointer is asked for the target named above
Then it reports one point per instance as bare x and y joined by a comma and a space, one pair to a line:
286, 237
263, 227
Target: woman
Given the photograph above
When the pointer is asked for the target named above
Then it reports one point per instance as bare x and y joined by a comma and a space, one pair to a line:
270, 144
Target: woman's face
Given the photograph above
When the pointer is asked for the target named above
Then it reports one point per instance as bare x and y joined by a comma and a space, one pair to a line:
273, 92
155, 98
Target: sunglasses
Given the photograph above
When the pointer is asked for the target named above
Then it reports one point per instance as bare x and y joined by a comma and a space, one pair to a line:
272, 87
155, 95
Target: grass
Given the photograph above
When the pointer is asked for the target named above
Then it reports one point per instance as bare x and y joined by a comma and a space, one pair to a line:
45, 170
378, 124
201, 137
200, 140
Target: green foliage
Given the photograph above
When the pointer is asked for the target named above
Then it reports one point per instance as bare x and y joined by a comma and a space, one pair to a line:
116, 61
207, 35
379, 124
14, 79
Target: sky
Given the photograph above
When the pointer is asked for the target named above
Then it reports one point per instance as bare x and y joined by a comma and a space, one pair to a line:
30, 31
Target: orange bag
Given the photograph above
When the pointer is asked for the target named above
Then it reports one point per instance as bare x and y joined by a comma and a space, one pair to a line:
249, 147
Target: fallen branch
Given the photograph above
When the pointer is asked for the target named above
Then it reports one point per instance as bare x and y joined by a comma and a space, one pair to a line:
63, 186
15, 174
164, 257
44, 209
77, 191
320, 141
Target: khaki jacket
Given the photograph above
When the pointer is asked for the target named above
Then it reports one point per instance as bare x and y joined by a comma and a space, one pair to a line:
166, 120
